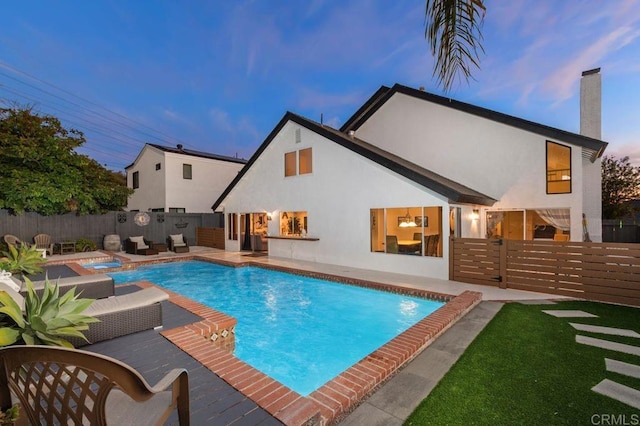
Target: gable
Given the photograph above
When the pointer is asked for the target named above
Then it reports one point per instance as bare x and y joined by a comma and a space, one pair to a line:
453, 191
594, 147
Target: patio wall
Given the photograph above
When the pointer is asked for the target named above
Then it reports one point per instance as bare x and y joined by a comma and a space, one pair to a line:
71, 227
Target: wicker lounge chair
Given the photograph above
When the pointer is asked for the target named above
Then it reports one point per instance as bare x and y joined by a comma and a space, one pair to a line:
139, 245
177, 243
94, 286
43, 242
94, 389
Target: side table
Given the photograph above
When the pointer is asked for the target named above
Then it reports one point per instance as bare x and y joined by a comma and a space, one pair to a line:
160, 247
67, 247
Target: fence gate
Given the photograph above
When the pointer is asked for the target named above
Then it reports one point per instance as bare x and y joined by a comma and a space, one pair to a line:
476, 261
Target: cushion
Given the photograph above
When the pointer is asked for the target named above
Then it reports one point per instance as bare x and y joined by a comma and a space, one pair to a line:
145, 297
177, 239
13, 283
140, 242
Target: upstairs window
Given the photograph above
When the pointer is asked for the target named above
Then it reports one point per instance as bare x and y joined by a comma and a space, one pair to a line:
304, 156
290, 164
558, 169
186, 171
158, 166
298, 162
136, 180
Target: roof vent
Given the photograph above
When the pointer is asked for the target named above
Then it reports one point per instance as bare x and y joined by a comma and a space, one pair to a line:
180, 146
421, 88
352, 133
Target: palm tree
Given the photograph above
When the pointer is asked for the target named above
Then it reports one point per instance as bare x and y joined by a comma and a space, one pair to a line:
453, 30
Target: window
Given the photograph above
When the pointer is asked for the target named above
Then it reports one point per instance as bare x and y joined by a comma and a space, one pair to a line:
136, 180
290, 165
158, 166
177, 210
158, 210
528, 224
413, 231
305, 161
293, 224
232, 226
303, 158
558, 169
186, 171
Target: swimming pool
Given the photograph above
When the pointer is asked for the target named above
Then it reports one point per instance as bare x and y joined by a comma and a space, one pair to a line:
298, 330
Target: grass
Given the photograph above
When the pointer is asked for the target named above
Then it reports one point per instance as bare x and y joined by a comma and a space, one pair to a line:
526, 368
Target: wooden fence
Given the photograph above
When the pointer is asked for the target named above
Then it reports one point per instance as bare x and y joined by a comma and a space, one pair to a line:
607, 272
210, 237
71, 227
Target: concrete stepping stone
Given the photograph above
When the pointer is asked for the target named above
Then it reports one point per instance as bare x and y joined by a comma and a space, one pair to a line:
618, 392
536, 302
605, 330
606, 344
623, 368
565, 313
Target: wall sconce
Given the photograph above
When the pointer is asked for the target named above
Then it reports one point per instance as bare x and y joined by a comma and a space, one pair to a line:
269, 216
475, 215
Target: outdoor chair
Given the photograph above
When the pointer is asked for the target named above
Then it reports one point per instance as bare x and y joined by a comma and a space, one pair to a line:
57, 385
43, 242
12, 240
177, 243
139, 245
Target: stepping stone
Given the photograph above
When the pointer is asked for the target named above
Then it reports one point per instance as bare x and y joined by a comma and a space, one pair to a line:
605, 330
570, 314
536, 302
618, 392
623, 368
606, 344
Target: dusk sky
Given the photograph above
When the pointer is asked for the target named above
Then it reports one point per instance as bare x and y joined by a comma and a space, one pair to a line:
217, 76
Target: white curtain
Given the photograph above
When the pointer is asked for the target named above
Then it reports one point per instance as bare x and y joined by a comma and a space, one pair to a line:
559, 218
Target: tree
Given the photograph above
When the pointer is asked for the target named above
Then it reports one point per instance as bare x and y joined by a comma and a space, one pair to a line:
620, 186
41, 172
453, 30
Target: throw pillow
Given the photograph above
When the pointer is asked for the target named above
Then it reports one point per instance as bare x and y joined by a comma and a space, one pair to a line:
139, 241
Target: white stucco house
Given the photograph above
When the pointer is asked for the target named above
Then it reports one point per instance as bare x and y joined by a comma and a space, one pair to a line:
168, 179
408, 170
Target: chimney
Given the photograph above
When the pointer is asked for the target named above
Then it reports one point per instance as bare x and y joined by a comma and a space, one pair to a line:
591, 104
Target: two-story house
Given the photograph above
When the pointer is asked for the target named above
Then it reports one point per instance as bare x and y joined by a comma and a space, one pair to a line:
167, 179
408, 170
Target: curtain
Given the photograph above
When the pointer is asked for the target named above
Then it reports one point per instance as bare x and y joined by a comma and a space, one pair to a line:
559, 218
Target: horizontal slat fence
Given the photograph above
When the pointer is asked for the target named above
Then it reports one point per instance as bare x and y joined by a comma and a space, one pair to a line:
607, 272
210, 237
475, 261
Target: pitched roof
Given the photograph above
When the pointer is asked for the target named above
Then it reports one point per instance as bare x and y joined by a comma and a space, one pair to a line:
383, 94
180, 150
454, 191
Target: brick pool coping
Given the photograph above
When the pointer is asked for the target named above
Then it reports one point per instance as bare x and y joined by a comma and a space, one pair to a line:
210, 342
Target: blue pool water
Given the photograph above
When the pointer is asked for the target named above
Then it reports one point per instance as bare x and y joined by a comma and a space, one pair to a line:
103, 265
300, 331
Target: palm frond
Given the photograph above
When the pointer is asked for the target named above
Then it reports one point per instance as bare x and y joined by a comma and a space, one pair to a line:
453, 30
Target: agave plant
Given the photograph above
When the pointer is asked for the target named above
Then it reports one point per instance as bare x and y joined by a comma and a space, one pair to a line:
48, 320
23, 259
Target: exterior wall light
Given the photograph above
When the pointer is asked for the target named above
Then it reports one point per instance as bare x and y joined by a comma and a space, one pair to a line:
475, 215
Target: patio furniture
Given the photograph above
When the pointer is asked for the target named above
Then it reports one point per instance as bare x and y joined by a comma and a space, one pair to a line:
67, 247
124, 314
139, 245
43, 242
94, 286
12, 240
178, 243
57, 385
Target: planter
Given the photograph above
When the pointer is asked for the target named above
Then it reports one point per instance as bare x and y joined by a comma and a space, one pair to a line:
112, 242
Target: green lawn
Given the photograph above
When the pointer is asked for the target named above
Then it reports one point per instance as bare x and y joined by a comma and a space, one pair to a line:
526, 368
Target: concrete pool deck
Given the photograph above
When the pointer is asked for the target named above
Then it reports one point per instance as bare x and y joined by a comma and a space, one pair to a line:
397, 375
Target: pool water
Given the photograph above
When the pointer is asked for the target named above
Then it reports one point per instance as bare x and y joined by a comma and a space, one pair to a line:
103, 265
298, 330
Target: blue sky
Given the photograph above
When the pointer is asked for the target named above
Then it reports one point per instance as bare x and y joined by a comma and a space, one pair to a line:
217, 76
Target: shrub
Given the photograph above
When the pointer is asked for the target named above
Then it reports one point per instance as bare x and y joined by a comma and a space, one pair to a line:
85, 244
